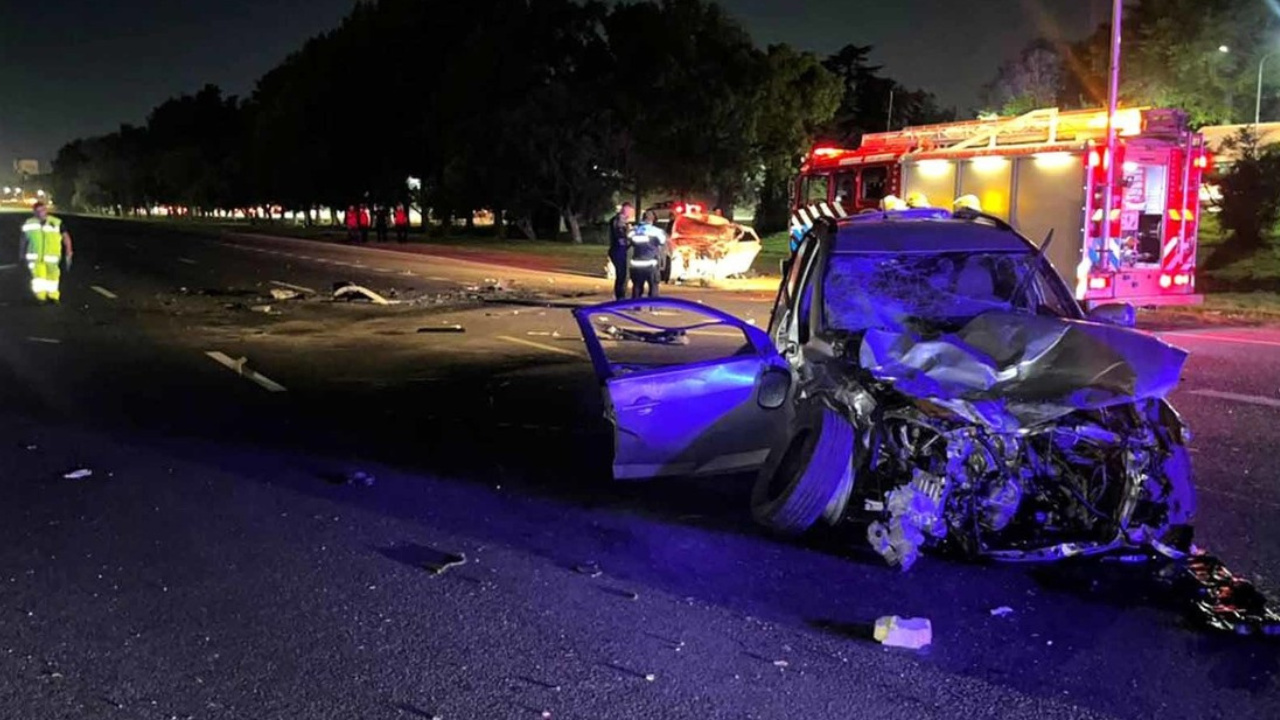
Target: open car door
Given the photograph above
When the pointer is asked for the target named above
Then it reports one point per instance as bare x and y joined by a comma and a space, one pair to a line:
690, 390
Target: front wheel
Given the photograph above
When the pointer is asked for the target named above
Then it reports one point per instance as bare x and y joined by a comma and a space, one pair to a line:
805, 478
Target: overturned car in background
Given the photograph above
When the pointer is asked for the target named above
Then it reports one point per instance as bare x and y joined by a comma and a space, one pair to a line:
931, 381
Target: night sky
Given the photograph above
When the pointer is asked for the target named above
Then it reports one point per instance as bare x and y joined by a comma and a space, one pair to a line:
69, 69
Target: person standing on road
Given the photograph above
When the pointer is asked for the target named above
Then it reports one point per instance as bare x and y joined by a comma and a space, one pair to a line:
353, 224
647, 242
402, 224
619, 243
381, 222
364, 224
45, 245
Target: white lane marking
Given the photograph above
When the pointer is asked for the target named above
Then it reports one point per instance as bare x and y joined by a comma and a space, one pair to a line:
1237, 397
47, 341
437, 278
299, 288
1220, 338
540, 346
188, 261
103, 292
239, 367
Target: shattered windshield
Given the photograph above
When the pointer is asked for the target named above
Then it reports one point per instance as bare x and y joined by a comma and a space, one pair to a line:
941, 290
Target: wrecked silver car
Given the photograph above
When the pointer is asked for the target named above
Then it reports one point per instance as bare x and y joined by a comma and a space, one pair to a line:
927, 377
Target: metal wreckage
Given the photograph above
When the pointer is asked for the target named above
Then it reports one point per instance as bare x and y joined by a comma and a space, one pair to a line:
1012, 436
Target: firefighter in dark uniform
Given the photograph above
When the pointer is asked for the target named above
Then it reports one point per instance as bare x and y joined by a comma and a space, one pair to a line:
619, 243
647, 242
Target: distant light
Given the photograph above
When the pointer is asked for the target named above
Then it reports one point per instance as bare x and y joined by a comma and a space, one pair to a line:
414, 183
1224, 49
40, 193
8, 190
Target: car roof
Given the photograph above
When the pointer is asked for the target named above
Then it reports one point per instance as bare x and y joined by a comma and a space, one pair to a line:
926, 232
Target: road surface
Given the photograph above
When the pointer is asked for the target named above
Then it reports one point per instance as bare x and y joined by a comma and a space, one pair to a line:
217, 565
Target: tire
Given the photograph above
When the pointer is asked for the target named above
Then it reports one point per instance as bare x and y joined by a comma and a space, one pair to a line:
803, 478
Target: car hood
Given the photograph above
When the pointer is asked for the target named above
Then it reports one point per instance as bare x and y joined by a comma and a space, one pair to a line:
1011, 371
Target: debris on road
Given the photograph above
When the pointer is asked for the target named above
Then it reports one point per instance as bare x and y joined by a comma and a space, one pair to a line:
282, 294
1002, 611
361, 478
444, 562
301, 289
443, 329
534, 333
46, 341
783, 664
264, 309
80, 474
910, 633
351, 291
590, 569
1222, 601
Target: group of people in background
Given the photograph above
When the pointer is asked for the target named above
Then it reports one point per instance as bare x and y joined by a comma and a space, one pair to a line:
360, 220
636, 251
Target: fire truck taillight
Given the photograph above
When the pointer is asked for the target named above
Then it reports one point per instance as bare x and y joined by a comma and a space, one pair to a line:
1182, 279
1099, 282
1203, 161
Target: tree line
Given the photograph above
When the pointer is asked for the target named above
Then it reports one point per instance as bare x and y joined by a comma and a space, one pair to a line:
542, 111
1199, 55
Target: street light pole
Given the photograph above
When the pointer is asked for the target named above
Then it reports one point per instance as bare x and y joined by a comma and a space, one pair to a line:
1257, 108
1113, 100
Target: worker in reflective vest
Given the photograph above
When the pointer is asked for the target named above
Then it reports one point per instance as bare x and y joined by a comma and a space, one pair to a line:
647, 241
402, 224
45, 245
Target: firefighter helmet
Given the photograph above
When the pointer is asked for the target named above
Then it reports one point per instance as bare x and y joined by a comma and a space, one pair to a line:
968, 202
892, 202
917, 200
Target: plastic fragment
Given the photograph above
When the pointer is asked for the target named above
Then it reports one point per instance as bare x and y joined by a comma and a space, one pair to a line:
590, 569
442, 329
80, 474
1001, 611
910, 633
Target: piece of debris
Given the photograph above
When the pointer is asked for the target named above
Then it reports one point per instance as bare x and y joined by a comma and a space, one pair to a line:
910, 633
535, 333
781, 664
45, 340
1221, 601
446, 561
351, 291
590, 569
80, 474
361, 478
282, 294
264, 309
30, 446
1001, 611
443, 329
302, 289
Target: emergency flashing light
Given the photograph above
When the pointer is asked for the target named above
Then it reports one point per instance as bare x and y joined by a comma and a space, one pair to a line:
824, 151
1182, 280
1099, 282
1166, 282
1202, 161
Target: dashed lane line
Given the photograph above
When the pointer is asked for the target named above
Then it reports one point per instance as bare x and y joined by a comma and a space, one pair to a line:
1219, 338
540, 346
188, 261
241, 369
104, 292
1237, 397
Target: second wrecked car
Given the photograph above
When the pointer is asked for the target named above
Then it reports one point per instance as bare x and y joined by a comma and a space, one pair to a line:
926, 377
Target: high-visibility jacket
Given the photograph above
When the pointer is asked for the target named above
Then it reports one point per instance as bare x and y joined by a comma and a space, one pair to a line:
44, 239
353, 218
646, 245
402, 218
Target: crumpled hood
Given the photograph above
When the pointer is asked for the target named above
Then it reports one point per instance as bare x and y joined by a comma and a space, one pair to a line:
1010, 370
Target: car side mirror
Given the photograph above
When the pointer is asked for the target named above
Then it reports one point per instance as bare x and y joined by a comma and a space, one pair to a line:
775, 386
1121, 314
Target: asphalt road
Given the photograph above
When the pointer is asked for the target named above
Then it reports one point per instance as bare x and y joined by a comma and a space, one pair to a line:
215, 564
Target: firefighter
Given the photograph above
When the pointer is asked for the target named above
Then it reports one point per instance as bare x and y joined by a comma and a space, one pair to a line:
619, 243
401, 221
352, 221
967, 202
381, 221
647, 242
45, 245
364, 224
917, 200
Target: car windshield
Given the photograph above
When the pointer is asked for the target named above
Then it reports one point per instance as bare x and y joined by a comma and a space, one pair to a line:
941, 290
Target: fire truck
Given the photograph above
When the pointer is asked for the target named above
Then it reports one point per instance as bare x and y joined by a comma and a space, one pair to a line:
1046, 172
